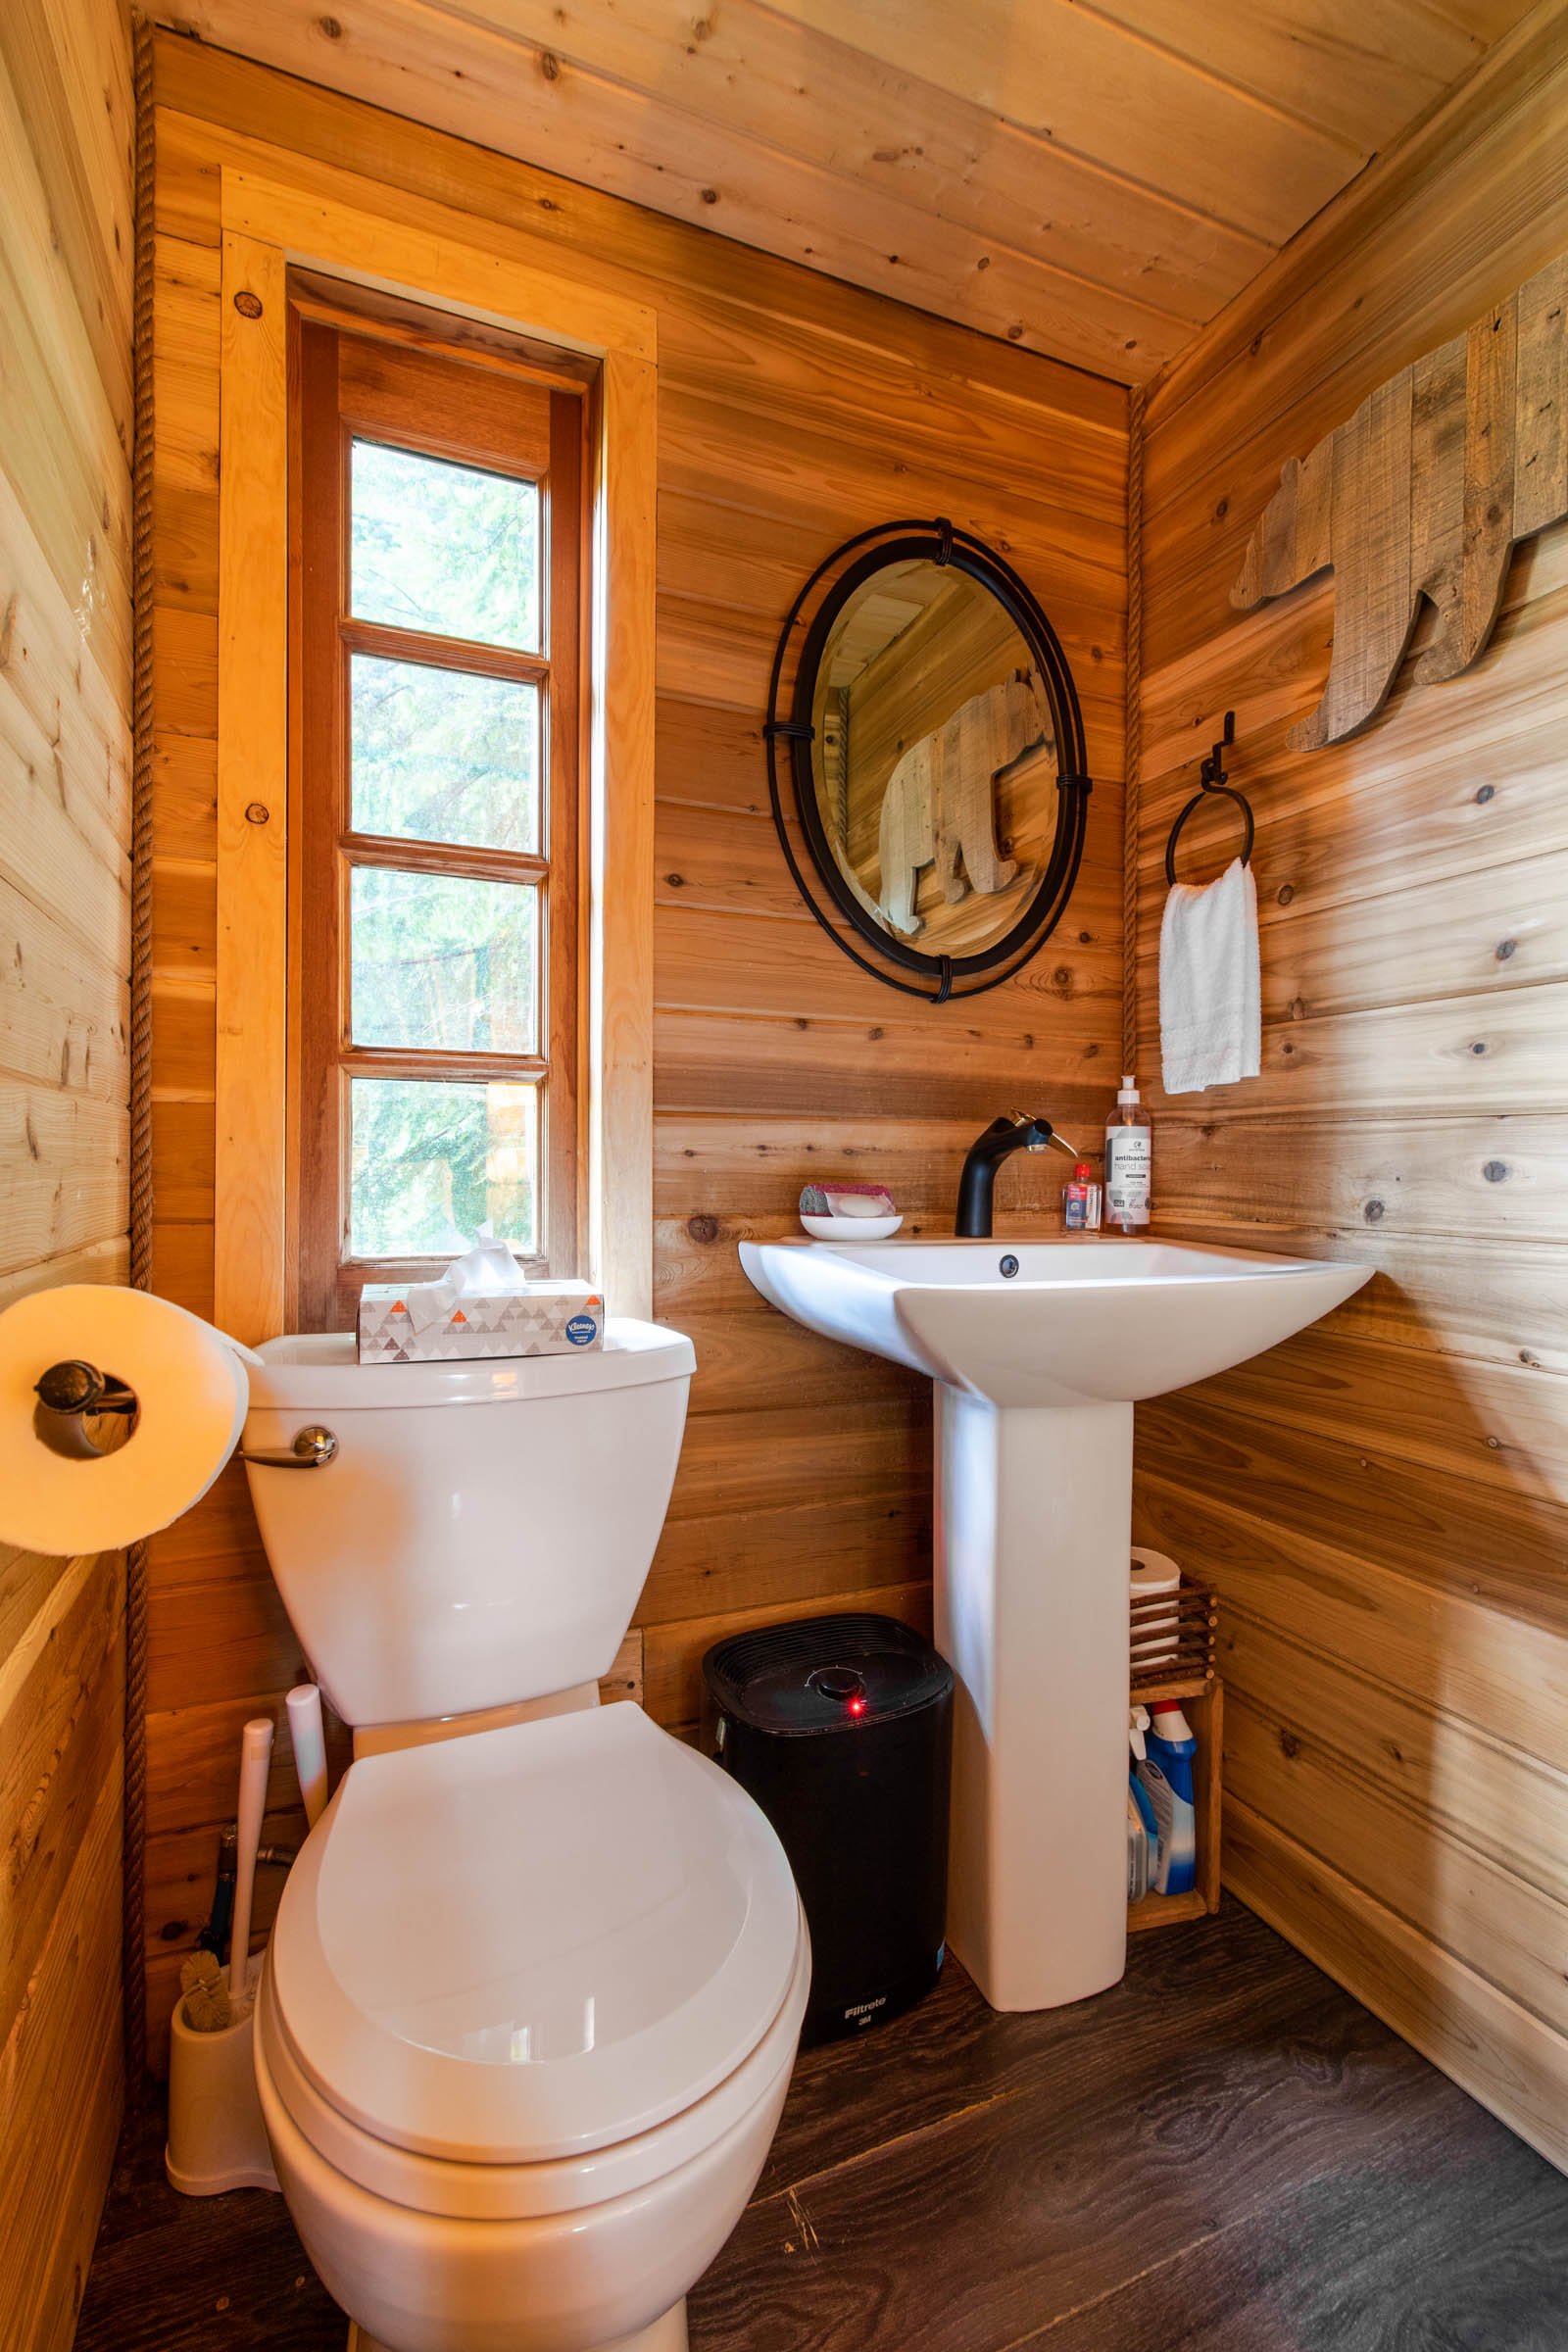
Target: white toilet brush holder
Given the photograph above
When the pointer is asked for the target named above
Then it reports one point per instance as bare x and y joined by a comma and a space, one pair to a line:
217, 2139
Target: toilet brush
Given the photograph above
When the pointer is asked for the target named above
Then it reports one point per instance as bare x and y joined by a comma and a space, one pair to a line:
214, 1937
216, 2137
207, 2009
306, 1730
256, 1756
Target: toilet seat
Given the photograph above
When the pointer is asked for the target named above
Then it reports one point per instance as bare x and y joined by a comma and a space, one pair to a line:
477, 2191
526, 1945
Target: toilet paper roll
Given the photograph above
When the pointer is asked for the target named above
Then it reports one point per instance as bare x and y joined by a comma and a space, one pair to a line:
57, 1492
1151, 1573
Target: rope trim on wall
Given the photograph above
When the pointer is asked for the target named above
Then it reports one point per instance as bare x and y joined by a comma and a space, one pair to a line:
141, 1028
1133, 756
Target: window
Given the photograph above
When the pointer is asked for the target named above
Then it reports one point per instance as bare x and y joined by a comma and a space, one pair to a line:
437, 534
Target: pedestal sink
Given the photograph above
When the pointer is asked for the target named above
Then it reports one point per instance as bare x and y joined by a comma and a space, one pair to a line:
1040, 1350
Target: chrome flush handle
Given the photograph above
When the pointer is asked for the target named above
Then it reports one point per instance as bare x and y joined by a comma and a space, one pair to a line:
312, 1449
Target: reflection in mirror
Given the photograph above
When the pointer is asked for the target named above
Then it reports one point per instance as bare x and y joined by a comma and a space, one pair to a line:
932, 758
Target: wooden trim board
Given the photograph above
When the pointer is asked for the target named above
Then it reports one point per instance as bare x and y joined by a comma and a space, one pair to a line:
433, 258
249, 1267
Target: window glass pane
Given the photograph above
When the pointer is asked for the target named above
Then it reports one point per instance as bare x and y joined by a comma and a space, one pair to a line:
443, 963
443, 548
431, 1162
439, 755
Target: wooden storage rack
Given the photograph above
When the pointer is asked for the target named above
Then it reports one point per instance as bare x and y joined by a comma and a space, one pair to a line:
1189, 1680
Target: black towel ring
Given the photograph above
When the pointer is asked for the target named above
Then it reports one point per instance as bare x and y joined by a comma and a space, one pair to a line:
1211, 779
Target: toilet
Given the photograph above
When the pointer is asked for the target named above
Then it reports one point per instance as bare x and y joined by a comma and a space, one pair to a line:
536, 1982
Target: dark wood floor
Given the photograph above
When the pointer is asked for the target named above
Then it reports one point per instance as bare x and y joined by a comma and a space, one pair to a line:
1225, 2152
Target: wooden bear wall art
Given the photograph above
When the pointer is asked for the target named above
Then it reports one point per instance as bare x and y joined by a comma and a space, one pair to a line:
940, 801
1424, 492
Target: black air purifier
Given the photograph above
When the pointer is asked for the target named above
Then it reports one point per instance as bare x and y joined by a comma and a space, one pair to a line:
841, 1727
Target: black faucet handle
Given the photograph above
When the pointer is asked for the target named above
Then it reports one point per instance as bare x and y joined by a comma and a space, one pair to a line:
1039, 1124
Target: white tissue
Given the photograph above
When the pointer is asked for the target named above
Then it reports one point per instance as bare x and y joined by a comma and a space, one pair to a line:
484, 1270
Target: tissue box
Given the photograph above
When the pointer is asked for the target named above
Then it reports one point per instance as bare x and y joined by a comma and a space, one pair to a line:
549, 1318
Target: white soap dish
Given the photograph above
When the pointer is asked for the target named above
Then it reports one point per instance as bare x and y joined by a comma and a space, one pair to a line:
849, 1229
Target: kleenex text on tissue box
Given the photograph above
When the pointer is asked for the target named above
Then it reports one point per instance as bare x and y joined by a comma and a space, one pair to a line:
548, 1318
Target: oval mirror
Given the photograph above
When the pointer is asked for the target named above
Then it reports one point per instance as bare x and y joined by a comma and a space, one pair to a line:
937, 760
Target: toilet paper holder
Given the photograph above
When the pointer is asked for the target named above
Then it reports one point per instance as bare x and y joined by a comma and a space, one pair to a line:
73, 1386
77, 1392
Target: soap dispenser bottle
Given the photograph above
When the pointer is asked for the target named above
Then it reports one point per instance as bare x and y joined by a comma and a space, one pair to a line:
1129, 1154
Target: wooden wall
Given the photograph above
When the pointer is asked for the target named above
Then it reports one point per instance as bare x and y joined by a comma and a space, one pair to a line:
792, 412
65, 816
1382, 1501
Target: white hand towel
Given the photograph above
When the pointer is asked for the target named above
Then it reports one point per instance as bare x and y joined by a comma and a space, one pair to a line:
1210, 997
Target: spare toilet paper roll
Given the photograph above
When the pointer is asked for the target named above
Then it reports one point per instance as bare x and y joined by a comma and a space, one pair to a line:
57, 1493
1155, 1633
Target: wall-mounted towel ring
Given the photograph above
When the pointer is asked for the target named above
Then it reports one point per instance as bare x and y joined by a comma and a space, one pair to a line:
1211, 779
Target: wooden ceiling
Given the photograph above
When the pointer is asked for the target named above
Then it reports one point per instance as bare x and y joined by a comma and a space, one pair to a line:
1094, 181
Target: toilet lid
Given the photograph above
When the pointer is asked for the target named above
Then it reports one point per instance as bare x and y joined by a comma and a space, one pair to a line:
528, 1943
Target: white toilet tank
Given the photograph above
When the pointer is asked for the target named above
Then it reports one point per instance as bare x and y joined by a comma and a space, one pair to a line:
483, 1529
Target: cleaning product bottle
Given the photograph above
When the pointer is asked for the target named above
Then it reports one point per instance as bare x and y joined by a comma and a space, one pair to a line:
1143, 1830
1129, 1151
1166, 1775
1138, 1824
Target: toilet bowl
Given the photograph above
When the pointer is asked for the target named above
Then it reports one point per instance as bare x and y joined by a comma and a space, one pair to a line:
535, 1987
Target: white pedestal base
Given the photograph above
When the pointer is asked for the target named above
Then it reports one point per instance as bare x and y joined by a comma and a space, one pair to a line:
1034, 1519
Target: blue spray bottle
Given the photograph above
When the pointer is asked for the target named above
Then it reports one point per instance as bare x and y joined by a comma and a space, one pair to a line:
1166, 1774
1143, 1830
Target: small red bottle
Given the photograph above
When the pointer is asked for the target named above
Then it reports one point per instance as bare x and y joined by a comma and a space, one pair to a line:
1080, 1201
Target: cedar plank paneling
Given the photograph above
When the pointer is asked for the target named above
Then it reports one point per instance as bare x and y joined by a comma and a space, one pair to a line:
1088, 183
1383, 1504
792, 412
65, 948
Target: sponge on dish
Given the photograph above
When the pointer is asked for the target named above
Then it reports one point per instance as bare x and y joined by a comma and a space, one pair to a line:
847, 1200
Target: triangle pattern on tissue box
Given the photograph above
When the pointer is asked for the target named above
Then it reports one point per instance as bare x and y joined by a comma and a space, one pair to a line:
549, 1318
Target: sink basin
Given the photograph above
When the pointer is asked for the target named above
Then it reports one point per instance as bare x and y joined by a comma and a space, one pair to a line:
1067, 1322
1038, 1351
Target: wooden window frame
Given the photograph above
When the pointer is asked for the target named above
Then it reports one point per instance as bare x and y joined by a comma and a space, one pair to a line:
285, 214
357, 377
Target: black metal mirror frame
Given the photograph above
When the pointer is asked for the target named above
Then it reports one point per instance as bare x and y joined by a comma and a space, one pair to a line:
934, 542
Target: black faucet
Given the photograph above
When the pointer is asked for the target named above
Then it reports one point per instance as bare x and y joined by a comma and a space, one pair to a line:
985, 1156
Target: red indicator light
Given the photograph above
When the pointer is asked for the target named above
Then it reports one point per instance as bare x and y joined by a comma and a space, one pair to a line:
856, 1706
